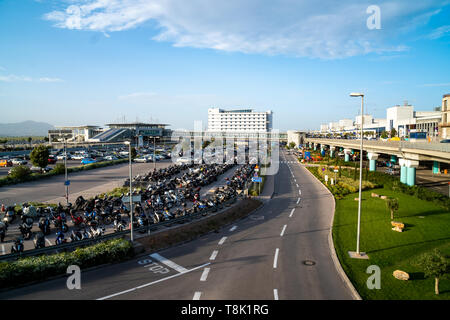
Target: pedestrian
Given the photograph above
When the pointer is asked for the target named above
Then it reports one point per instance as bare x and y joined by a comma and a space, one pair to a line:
3, 209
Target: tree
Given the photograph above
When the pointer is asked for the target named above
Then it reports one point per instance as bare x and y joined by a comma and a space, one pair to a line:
39, 156
435, 265
29, 140
292, 145
392, 205
393, 133
384, 135
133, 153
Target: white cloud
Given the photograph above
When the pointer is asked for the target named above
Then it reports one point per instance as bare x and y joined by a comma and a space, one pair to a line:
439, 32
325, 29
16, 78
436, 85
46, 79
137, 95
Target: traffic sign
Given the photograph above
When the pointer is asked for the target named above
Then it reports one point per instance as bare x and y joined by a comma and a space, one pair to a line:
256, 179
67, 183
126, 199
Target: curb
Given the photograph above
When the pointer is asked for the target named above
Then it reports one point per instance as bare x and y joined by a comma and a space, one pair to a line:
334, 257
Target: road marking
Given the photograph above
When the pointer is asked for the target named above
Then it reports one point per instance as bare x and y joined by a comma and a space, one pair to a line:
168, 263
300, 192
152, 283
292, 212
214, 255
282, 231
233, 228
197, 295
275, 294
205, 274
298, 200
48, 241
275, 259
297, 185
222, 240
3, 249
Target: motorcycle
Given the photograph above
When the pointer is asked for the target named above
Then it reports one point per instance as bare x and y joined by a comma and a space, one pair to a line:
10, 215
44, 225
76, 236
3, 229
17, 246
39, 240
25, 228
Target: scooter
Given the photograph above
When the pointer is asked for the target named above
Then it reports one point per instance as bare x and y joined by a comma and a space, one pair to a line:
18, 246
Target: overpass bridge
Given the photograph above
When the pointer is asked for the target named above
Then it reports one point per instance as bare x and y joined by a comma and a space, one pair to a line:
409, 154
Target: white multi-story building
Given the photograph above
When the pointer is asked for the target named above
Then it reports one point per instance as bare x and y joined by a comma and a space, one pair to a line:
240, 120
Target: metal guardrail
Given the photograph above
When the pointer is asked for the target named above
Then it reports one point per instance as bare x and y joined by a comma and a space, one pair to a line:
431, 146
86, 242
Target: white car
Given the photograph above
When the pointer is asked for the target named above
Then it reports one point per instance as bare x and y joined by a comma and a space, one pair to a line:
61, 157
184, 160
111, 158
143, 159
19, 162
79, 157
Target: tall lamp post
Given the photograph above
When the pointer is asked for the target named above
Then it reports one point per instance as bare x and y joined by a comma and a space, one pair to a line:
66, 181
131, 194
358, 254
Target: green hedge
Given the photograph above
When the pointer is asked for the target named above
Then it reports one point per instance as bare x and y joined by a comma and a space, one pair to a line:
8, 180
39, 268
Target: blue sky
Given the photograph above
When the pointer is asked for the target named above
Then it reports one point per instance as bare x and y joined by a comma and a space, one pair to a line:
75, 62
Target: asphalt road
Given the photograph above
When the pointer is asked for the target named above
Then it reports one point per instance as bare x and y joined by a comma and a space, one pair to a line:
260, 257
101, 179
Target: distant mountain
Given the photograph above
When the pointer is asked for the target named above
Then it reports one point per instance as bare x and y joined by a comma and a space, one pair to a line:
26, 128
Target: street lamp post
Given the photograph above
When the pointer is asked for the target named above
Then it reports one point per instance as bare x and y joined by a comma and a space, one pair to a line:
131, 194
359, 254
65, 171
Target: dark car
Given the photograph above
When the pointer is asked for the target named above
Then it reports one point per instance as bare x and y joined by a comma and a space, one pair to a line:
445, 141
52, 159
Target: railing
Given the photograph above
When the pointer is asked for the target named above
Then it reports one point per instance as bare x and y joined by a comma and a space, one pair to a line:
431, 146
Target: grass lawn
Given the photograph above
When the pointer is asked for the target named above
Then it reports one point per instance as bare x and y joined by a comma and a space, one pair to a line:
427, 226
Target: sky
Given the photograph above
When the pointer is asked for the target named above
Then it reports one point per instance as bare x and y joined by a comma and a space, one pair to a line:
78, 62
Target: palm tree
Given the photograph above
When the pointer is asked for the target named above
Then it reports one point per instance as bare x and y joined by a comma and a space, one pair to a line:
392, 205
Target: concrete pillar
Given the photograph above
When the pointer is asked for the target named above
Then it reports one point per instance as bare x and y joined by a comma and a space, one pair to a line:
332, 151
347, 154
411, 166
403, 170
373, 161
315, 146
436, 167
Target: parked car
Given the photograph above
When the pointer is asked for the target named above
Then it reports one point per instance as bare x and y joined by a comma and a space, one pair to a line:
40, 170
5, 163
88, 161
143, 159
19, 162
111, 158
52, 159
61, 156
445, 141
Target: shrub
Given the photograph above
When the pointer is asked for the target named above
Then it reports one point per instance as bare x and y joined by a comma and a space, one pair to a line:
59, 168
20, 173
41, 267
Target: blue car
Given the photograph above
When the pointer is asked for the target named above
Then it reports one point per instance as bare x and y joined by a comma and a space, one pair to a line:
88, 160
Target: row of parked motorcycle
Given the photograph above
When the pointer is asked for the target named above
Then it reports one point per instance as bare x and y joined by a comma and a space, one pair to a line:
164, 198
